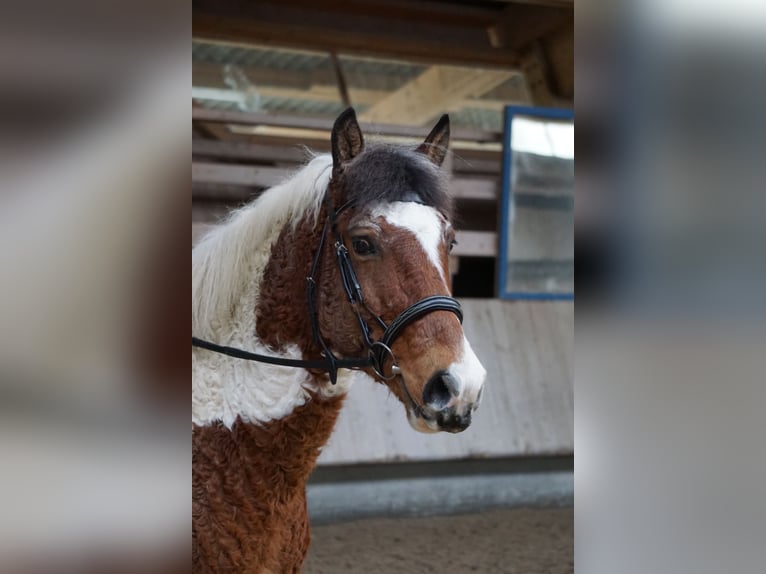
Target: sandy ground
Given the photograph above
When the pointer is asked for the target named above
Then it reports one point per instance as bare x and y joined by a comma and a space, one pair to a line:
512, 540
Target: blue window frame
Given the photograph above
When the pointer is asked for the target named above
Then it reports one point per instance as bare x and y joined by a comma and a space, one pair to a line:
536, 248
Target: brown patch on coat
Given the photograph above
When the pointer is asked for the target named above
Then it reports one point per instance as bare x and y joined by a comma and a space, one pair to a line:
249, 490
282, 315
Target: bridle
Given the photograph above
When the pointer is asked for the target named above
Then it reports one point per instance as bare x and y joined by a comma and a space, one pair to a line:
378, 352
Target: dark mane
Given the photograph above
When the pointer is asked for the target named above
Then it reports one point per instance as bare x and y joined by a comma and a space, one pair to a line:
385, 173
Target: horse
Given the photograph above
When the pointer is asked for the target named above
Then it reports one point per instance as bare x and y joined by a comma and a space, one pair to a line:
338, 276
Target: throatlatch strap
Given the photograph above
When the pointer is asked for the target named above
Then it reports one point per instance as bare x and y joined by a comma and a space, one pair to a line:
320, 364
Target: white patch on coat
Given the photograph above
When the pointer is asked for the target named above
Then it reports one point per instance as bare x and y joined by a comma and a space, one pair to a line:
423, 221
227, 266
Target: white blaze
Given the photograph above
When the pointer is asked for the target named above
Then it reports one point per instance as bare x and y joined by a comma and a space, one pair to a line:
423, 221
428, 226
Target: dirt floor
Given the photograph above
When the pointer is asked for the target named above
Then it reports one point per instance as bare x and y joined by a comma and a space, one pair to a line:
507, 541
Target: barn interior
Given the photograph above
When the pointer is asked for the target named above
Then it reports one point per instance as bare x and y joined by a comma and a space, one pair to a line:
269, 78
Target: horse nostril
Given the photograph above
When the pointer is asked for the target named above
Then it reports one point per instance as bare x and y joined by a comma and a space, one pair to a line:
439, 390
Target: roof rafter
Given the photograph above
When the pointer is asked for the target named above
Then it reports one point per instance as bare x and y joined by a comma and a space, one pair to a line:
437, 89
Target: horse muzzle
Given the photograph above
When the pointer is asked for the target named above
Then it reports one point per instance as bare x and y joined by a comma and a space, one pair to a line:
451, 396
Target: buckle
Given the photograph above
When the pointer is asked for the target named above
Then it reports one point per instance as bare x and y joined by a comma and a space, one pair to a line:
379, 352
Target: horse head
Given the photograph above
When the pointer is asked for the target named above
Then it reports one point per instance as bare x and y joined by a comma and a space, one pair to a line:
392, 225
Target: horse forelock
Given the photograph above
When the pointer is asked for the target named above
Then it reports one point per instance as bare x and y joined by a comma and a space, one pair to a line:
387, 174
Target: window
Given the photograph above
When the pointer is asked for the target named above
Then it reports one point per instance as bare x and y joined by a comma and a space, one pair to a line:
537, 216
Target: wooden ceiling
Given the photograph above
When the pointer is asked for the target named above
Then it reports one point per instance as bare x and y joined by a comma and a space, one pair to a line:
533, 37
440, 56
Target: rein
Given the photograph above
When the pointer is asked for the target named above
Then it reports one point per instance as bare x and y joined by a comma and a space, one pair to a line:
378, 351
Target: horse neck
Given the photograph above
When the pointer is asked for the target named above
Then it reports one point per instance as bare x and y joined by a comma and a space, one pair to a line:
270, 316
282, 313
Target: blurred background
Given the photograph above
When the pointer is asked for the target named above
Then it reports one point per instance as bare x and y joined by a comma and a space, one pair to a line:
94, 148
268, 80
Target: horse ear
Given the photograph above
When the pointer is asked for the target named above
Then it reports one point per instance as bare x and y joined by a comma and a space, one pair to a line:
347, 140
435, 145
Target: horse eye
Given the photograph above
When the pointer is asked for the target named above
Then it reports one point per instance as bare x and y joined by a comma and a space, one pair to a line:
362, 246
452, 245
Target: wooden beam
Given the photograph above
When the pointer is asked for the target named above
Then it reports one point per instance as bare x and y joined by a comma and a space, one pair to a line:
294, 152
537, 74
433, 32
317, 139
469, 243
325, 125
525, 28
483, 165
437, 89
522, 24
341, 27
475, 188
462, 14
244, 175
475, 244
248, 151
247, 177
559, 49
212, 132
553, 3
220, 194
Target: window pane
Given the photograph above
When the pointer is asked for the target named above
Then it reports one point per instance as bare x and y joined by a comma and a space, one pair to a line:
540, 250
